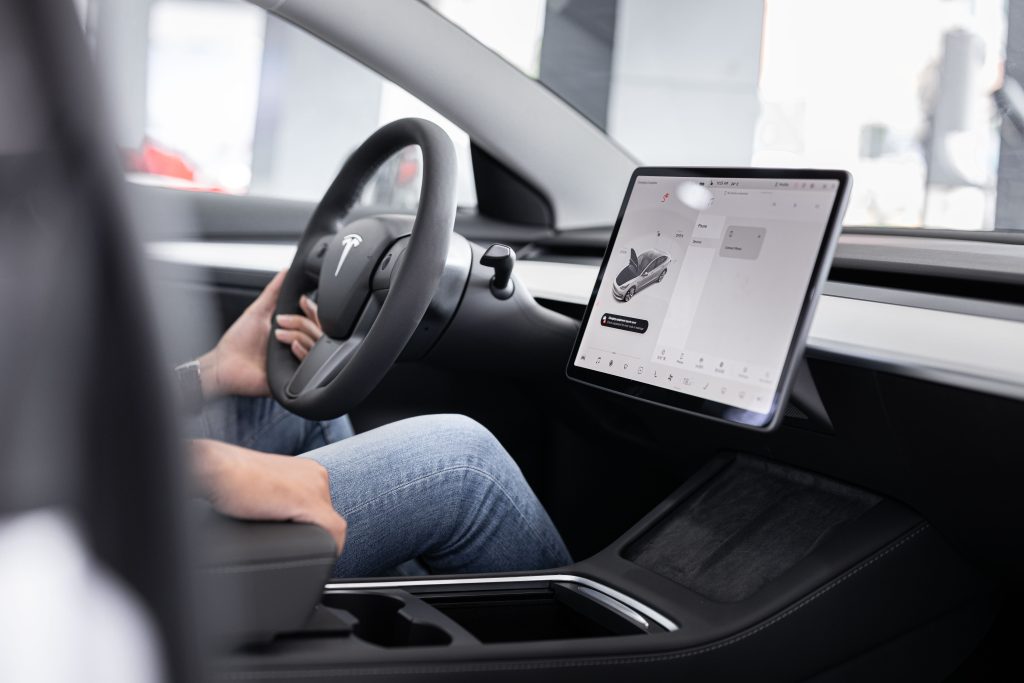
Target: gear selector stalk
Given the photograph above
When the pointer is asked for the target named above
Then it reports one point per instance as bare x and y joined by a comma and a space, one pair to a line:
502, 258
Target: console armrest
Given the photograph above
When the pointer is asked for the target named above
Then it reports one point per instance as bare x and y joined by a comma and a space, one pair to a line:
258, 579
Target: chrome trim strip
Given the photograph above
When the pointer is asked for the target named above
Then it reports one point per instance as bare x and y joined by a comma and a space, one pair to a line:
972, 352
607, 591
614, 605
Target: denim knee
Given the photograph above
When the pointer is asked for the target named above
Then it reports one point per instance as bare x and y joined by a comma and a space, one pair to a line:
460, 442
477, 445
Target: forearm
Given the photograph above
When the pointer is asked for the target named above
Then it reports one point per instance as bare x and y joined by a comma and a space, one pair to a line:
212, 463
239, 481
248, 484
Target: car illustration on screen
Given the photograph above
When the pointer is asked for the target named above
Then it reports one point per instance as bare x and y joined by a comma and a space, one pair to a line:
643, 270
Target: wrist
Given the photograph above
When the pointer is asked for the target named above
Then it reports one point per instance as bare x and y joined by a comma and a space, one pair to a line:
209, 374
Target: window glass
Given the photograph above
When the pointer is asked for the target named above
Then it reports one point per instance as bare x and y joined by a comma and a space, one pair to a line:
917, 98
220, 96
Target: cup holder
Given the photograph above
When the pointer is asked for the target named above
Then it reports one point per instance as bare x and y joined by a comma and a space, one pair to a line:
381, 621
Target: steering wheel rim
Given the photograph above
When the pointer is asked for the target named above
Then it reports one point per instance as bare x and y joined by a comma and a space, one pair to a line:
363, 338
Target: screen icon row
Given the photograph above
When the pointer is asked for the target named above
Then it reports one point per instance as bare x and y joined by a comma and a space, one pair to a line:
706, 384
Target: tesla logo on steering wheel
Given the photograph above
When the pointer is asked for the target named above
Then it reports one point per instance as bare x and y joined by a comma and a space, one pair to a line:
350, 242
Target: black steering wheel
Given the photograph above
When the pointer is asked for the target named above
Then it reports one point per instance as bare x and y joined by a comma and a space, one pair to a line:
374, 277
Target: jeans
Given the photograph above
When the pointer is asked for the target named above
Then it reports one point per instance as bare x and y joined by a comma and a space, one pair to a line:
439, 489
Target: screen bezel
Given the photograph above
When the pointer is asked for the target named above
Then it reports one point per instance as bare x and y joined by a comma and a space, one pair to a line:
705, 407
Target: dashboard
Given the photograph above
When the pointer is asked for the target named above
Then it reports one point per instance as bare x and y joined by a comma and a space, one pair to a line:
966, 343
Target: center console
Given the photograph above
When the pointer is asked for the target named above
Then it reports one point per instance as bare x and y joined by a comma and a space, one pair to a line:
746, 566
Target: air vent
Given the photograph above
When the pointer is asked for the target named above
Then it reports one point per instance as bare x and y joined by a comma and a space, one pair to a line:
970, 285
576, 246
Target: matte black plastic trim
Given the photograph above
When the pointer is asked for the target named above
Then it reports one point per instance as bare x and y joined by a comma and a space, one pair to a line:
503, 195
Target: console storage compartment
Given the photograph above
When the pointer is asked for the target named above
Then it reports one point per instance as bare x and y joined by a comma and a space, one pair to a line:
552, 611
387, 620
451, 613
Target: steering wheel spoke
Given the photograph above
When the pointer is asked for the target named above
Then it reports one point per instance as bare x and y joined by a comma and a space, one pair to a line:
328, 355
323, 362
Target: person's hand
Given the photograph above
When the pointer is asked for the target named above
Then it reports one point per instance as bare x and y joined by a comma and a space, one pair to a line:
300, 332
247, 484
238, 363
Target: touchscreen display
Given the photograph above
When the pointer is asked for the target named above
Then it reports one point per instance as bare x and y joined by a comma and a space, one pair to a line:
704, 285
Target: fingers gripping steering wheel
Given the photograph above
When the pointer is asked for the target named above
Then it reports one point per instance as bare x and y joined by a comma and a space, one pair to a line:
375, 276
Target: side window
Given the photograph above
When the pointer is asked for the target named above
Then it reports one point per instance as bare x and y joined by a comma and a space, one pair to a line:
220, 96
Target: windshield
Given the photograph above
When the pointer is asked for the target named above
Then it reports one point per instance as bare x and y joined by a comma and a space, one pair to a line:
916, 98
222, 96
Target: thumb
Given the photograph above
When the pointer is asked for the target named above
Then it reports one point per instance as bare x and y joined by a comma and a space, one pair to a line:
268, 297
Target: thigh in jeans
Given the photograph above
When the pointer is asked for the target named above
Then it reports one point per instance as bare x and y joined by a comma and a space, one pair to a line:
439, 489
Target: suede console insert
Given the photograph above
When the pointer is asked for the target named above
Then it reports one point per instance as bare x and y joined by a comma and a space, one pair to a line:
746, 526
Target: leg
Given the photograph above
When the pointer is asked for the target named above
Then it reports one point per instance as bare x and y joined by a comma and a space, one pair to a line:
439, 488
263, 425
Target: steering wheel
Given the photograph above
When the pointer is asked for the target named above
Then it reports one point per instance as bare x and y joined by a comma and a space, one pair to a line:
374, 277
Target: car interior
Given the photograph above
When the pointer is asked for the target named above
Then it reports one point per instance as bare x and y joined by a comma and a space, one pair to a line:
859, 526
